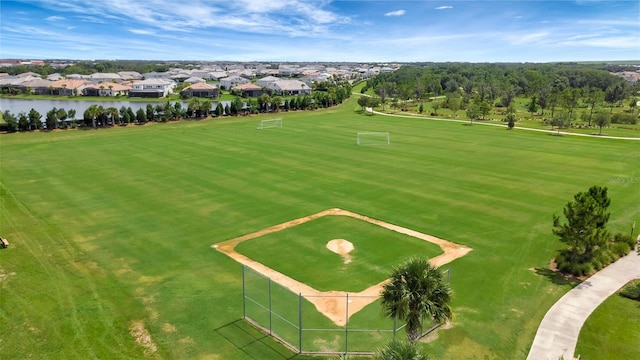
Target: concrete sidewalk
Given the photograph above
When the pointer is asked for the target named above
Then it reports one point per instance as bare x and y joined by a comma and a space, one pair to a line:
558, 333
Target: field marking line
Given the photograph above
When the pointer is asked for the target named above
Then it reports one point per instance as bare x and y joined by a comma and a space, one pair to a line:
332, 304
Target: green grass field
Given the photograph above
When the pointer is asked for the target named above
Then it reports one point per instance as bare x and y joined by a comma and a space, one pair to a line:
607, 335
113, 226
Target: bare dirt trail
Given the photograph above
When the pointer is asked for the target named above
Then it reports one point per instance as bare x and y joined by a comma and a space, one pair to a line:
334, 304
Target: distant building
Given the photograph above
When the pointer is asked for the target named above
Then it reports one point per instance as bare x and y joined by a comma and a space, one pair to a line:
100, 77
231, 81
152, 88
290, 87
37, 86
265, 81
248, 90
200, 89
130, 75
194, 79
68, 87
107, 89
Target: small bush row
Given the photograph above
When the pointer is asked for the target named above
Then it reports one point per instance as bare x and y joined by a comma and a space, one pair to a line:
619, 246
631, 290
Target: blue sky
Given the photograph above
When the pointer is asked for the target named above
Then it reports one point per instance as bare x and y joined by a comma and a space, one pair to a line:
322, 30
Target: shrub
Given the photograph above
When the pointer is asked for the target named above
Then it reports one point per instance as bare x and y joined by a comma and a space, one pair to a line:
631, 290
622, 118
565, 265
620, 249
399, 350
625, 238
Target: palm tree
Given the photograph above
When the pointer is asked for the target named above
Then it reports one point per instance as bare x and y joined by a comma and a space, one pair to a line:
398, 350
415, 292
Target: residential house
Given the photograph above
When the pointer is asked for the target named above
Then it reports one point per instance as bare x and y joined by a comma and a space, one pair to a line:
130, 75
290, 87
194, 79
248, 90
37, 86
200, 89
104, 77
217, 75
180, 77
107, 89
265, 81
55, 77
204, 74
67, 87
287, 70
77, 76
152, 88
30, 73
231, 81
156, 75
11, 84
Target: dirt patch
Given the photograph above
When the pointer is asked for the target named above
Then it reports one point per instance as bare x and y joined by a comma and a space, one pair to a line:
341, 247
334, 304
432, 336
142, 337
166, 327
186, 340
5, 276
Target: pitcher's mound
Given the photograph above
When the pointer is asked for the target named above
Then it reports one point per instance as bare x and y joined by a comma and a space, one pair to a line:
341, 247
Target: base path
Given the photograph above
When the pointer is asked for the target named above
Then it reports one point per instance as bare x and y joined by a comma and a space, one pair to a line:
558, 333
334, 304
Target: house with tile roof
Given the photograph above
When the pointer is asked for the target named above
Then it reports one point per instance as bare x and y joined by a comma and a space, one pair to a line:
36, 86
107, 89
130, 75
103, 77
68, 87
265, 81
231, 81
200, 89
289, 87
248, 90
194, 79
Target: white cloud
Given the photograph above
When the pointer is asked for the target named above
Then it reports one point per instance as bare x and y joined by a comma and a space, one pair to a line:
444, 7
295, 18
395, 13
613, 42
528, 39
141, 31
55, 18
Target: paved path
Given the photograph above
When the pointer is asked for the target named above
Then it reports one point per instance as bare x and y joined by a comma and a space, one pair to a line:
558, 332
503, 126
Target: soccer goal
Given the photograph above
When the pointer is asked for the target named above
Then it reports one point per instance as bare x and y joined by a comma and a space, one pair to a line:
270, 123
373, 138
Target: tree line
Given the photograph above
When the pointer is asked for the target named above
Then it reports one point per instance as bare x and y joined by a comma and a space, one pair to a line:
553, 92
90, 67
197, 108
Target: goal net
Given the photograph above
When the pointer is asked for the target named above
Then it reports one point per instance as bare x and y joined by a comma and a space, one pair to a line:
373, 138
271, 123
